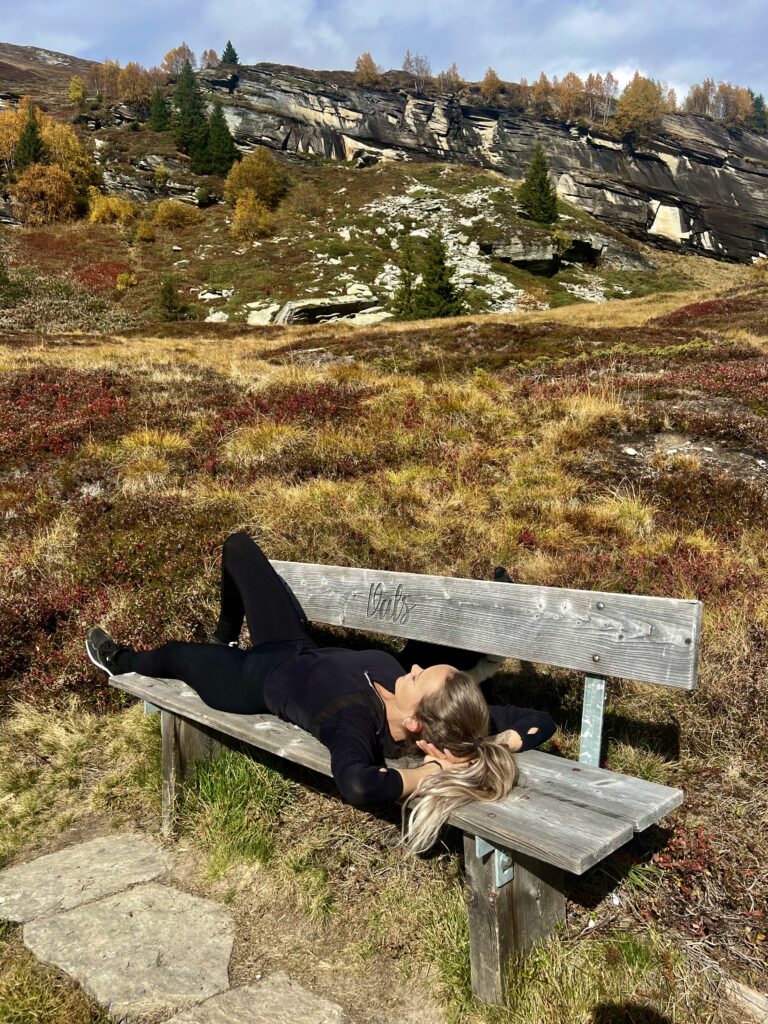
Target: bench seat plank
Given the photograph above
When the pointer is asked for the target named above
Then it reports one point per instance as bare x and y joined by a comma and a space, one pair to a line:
570, 819
623, 796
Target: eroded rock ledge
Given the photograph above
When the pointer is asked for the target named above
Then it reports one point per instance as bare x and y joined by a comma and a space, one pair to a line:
695, 186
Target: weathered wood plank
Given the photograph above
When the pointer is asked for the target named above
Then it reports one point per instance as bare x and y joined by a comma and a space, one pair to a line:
654, 639
637, 801
171, 768
567, 825
507, 921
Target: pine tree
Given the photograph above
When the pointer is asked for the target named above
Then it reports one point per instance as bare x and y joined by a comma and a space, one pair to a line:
189, 119
159, 113
229, 56
30, 148
198, 151
537, 195
402, 300
436, 295
221, 151
170, 305
759, 119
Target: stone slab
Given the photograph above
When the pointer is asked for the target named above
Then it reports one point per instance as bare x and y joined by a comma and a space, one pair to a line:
751, 1002
79, 874
146, 950
276, 1000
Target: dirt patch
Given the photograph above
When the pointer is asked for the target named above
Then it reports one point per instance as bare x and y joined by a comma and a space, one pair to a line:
665, 451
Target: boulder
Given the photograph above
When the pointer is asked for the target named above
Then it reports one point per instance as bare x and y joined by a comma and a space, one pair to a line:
257, 317
540, 257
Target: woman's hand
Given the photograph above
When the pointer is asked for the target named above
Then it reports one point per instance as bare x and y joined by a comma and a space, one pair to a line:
444, 758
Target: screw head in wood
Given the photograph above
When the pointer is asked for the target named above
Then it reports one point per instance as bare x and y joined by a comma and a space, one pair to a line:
595, 657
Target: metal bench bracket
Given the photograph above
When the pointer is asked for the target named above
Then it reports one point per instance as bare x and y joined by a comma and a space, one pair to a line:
592, 720
503, 864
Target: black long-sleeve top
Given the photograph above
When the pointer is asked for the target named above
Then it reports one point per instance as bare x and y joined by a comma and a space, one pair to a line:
328, 691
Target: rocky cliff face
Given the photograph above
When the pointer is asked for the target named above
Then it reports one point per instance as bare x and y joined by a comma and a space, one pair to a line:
694, 186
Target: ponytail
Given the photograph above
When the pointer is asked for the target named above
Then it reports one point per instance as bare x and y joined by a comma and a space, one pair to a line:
451, 718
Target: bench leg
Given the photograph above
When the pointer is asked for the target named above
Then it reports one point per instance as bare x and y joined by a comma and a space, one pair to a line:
507, 921
184, 743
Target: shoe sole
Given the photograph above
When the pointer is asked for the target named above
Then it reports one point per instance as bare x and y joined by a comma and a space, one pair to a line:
95, 662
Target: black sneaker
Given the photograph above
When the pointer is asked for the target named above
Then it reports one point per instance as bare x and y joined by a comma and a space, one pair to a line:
102, 649
213, 639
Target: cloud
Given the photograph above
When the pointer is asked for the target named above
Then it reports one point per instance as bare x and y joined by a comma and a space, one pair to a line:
680, 42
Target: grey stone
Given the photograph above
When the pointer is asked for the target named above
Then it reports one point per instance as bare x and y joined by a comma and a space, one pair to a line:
276, 1000
262, 316
368, 318
78, 874
149, 949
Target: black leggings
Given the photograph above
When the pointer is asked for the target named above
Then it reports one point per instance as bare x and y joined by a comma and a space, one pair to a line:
227, 678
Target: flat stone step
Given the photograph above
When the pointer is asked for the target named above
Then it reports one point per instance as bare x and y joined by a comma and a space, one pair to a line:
146, 950
275, 1000
78, 875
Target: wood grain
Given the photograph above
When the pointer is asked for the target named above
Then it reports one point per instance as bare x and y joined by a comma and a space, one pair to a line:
564, 813
653, 639
507, 922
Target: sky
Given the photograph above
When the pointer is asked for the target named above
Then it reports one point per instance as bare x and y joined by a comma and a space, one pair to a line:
677, 41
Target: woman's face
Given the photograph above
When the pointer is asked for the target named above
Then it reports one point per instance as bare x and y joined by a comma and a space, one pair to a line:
411, 687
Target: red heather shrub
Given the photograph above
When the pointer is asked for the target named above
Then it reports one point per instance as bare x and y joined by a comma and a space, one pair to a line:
322, 402
713, 309
26, 617
49, 411
746, 380
101, 276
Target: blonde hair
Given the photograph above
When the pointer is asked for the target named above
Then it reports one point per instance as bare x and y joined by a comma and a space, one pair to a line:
453, 718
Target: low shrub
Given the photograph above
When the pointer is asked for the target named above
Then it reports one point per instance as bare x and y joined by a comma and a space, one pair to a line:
306, 201
110, 209
45, 194
126, 281
171, 213
103, 276
144, 232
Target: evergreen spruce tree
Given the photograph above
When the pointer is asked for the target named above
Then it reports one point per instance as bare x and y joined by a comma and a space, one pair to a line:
229, 56
198, 151
402, 300
170, 305
537, 195
759, 119
221, 151
436, 295
159, 113
30, 148
189, 111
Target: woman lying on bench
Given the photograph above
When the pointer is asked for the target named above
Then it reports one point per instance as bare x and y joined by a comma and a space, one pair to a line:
359, 704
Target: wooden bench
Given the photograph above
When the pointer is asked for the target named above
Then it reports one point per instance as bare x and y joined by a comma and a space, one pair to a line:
564, 815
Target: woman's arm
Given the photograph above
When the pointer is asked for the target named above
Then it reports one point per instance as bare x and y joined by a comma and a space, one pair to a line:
522, 728
412, 777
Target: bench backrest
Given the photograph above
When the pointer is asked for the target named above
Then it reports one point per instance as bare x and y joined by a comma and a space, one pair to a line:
652, 639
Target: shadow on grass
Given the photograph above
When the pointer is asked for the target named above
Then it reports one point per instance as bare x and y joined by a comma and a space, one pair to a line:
627, 1013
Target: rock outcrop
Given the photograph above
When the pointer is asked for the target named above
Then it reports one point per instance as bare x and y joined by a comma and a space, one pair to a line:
694, 186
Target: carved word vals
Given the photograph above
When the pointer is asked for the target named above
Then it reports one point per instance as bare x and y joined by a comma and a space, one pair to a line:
388, 609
